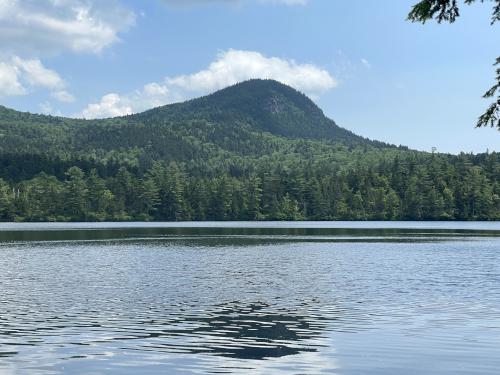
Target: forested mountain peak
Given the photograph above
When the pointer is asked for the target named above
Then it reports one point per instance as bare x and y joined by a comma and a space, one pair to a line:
263, 96
246, 108
251, 119
265, 105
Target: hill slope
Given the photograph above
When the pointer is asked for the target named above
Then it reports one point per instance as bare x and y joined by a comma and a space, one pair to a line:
258, 150
240, 113
264, 105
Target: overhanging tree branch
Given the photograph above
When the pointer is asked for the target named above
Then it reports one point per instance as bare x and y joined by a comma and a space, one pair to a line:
448, 11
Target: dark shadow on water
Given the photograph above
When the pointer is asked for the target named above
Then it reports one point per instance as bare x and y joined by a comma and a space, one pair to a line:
280, 234
252, 332
8, 354
237, 330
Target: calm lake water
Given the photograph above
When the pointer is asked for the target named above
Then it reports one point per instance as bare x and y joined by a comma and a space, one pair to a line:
250, 298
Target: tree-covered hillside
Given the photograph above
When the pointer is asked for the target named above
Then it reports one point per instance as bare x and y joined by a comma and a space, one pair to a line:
258, 150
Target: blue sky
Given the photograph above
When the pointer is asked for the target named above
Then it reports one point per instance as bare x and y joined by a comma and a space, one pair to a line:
365, 66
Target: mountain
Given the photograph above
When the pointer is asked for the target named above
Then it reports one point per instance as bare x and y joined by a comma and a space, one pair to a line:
223, 120
258, 150
262, 105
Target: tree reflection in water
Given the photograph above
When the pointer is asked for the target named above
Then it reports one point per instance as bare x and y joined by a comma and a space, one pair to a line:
253, 331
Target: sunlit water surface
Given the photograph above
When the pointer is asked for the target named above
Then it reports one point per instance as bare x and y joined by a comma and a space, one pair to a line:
259, 298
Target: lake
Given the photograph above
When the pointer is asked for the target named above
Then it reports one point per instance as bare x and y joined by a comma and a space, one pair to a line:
250, 298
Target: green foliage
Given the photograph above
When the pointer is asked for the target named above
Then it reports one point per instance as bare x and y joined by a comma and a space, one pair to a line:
433, 187
230, 156
445, 10
76, 194
448, 10
492, 115
7, 197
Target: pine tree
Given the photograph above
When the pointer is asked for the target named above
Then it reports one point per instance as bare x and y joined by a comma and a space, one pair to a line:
76, 194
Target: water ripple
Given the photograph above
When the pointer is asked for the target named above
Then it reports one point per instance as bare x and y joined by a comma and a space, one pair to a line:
191, 305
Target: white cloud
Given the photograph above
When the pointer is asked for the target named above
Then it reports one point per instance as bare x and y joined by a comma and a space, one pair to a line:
366, 63
155, 89
9, 81
17, 75
48, 26
230, 67
37, 75
235, 66
111, 105
42, 27
63, 96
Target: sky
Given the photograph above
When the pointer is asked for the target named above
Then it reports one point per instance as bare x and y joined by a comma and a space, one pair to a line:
368, 68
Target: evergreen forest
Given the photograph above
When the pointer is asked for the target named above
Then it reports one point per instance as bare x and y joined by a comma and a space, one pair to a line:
258, 150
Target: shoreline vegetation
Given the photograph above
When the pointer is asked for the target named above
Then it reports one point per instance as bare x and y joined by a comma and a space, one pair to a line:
258, 150
399, 190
